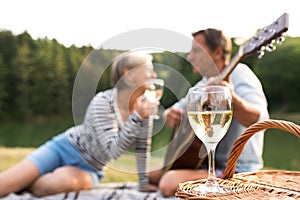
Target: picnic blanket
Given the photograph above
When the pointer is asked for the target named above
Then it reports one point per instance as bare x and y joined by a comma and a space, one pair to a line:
105, 191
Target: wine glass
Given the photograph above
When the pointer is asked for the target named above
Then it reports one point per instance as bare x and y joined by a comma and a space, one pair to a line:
210, 113
154, 91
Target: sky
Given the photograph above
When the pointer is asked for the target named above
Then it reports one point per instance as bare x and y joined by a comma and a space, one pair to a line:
94, 22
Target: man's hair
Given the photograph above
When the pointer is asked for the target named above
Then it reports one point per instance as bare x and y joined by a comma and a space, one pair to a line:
214, 38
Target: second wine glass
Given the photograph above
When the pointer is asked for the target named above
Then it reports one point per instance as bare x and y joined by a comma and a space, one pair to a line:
154, 91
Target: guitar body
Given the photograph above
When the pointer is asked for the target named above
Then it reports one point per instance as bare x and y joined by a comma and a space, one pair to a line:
189, 159
185, 150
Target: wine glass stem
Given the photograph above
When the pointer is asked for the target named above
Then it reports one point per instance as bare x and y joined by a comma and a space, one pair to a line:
211, 179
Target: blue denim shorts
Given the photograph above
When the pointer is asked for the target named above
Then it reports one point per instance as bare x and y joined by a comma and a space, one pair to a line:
60, 152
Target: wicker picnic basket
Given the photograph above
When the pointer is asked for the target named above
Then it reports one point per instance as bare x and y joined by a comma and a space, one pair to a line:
264, 184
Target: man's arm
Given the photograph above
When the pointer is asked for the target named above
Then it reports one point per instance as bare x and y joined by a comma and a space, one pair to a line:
244, 112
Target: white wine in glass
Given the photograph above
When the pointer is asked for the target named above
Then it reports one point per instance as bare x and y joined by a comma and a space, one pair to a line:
154, 91
210, 114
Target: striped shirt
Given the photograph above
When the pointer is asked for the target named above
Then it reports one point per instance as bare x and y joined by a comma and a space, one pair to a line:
103, 136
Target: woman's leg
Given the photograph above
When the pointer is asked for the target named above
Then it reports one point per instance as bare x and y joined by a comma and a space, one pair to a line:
170, 180
18, 177
63, 179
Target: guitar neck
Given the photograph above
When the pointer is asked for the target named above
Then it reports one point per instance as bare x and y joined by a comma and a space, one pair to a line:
230, 67
264, 37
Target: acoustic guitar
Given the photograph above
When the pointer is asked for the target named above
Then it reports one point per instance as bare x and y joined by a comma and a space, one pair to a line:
184, 150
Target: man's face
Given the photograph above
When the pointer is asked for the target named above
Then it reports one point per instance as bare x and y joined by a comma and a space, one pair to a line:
201, 57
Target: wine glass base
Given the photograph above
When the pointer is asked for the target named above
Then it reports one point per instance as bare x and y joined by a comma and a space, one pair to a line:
212, 189
155, 117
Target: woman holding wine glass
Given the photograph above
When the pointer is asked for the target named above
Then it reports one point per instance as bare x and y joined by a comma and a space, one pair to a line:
115, 120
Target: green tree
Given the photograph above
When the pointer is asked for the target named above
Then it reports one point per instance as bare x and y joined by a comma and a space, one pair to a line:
37, 76
279, 71
8, 47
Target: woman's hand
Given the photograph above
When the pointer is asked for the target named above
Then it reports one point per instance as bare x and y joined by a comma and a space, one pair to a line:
145, 107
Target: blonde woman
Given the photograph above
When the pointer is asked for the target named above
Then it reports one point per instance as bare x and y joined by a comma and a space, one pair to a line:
115, 120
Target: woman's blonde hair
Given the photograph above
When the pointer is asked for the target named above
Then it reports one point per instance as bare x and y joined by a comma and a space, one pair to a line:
126, 61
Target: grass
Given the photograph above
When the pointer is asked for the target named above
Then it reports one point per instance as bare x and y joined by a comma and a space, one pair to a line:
121, 170
124, 169
10, 156
280, 150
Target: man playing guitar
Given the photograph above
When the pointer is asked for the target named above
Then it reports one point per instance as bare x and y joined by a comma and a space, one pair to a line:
209, 55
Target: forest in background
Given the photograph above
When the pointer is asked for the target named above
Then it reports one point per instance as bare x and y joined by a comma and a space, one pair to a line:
37, 76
